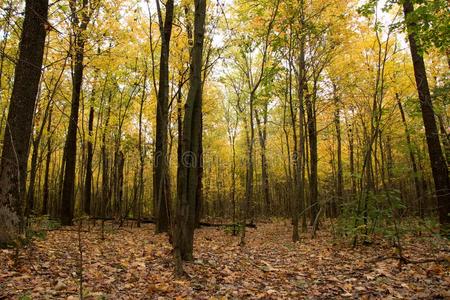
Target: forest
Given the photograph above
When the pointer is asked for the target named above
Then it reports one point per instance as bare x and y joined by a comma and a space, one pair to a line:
224, 149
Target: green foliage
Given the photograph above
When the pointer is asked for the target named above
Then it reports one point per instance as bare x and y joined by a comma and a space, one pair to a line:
234, 229
430, 21
38, 227
383, 209
432, 24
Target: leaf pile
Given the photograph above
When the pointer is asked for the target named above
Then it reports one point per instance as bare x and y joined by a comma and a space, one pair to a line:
137, 264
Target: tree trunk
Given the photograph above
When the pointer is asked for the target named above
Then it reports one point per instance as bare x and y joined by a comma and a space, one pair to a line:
105, 167
188, 168
161, 191
141, 147
262, 132
70, 147
340, 178
312, 135
16, 146
46, 191
90, 155
438, 164
199, 193
415, 170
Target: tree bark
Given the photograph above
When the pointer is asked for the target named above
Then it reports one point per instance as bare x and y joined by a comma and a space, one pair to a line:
340, 177
415, 170
438, 164
46, 188
161, 190
188, 168
16, 143
34, 163
313, 156
90, 155
70, 147
262, 133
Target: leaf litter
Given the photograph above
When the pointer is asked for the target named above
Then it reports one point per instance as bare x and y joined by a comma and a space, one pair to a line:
137, 264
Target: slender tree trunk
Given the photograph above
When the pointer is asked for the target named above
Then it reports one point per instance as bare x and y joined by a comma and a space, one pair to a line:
199, 193
90, 155
312, 135
340, 171
188, 168
248, 204
46, 188
16, 143
262, 133
351, 156
105, 196
438, 164
140, 195
412, 157
297, 192
161, 165
70, 147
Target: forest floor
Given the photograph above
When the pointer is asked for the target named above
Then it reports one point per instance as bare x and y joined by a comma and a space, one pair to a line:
134, 263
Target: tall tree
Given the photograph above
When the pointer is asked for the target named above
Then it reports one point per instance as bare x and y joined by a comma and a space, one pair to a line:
340, 177
188, 167
90, 155
16, 143
438, 164
161, 192
85, 8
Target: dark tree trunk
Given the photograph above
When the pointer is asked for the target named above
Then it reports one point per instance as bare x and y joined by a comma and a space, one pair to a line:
141, 147
262, 133
46, 191
199, 194
351, 154
312, 135
70, 147
161, 190
105, 167
340, 177
16, 143
90, 155
438, 164
188, 168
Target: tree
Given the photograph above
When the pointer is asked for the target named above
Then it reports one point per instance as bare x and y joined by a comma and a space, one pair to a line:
85, 8
188, 167
161, 192
438, 164
16, 145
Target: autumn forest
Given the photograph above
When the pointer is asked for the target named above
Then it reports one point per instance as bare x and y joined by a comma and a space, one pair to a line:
224, 149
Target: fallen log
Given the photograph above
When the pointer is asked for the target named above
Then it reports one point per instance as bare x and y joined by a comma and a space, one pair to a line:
152, 221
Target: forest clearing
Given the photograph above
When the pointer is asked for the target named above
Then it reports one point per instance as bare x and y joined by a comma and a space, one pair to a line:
134, 263
224, 149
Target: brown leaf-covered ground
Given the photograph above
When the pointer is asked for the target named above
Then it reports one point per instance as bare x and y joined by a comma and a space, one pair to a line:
134, 263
